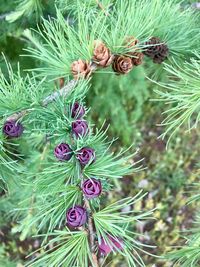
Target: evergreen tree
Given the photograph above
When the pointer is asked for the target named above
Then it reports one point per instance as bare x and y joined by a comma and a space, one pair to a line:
57, 166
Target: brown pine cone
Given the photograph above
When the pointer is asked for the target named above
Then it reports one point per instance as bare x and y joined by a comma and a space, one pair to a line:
135, 54
131, 41
158, 51
81, 69
122, 64
61, 82
102, 55
137, 58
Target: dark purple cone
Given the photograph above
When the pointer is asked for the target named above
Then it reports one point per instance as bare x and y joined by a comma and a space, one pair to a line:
76, 216
78, 111
80, 128
13, 129
86, 155
114, 244
63, 152
91, 188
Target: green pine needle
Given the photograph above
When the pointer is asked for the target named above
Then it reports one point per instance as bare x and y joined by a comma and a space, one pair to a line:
26, 8
182, 95
72, 250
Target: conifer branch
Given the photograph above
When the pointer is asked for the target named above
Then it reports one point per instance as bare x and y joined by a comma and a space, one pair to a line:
91, 234
182, 96
47, 100
56, 183
18, 115
102, 7
63, 92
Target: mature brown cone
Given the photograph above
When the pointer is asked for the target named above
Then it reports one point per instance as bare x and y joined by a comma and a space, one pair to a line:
137, 58
81, 69
61, 82
122, 64
102, 55
135, 54
131, 41
158, 51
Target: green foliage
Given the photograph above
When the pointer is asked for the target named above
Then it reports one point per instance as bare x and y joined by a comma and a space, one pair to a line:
18, 93
48, 187
26, 8
188, 255
182, 38
8, 164
53, 187
51, 213
63, 43
71, 5
110, 221
3, 260
72, 250
122, 103
182, 94
107, 221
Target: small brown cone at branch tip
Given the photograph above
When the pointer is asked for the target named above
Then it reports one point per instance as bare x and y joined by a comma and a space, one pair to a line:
122, 64
61, 82
81, 69
157, 50
137, 58
101, 54
131, 42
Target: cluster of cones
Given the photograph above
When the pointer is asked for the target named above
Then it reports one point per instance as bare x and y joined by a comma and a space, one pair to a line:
121, 64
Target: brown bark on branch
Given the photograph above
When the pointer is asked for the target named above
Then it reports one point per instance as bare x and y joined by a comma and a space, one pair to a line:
91, 233
62, 92
49, 99
16, 116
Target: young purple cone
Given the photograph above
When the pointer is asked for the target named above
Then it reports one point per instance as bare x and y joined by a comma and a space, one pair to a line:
114, 244
76, 216
12, 129
91, 188
86, 155
78, 111
80, 128
63, 152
